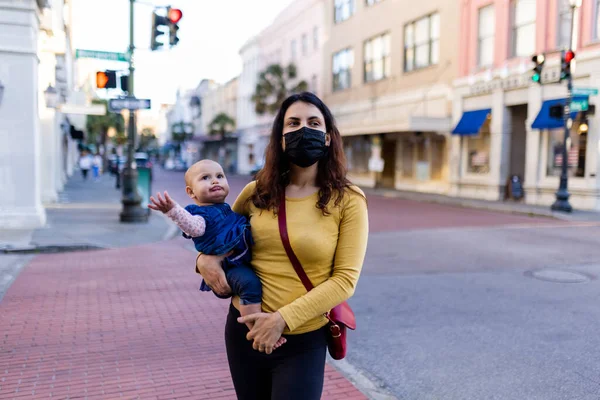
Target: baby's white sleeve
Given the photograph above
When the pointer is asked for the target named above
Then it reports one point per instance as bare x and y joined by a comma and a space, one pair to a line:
191, 225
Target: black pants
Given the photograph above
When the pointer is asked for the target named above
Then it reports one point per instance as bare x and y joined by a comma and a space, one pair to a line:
84, 172
295, 371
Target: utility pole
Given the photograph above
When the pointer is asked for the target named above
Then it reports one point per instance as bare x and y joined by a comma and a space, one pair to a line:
562, 195
131, 200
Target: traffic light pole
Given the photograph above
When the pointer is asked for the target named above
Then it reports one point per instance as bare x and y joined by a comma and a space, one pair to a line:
131, 200
562, 195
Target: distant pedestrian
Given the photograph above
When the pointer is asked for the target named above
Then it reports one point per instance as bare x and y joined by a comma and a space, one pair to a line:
85, 163
305, 172
97, 166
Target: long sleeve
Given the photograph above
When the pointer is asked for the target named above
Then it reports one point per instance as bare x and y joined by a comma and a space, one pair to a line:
191, 225
348, 262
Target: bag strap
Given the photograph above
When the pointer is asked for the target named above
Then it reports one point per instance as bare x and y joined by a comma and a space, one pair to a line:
283, 232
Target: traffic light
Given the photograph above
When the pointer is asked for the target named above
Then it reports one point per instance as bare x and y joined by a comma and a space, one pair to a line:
538, 60
125, 83
106, 79
566, 56
157, 22
174, 16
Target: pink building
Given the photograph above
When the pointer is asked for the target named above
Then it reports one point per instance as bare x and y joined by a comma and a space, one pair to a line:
501, 118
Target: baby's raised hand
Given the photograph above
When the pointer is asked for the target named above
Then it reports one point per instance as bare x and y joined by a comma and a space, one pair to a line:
163, 205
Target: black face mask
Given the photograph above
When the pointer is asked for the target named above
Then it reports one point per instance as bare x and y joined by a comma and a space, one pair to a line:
305, 146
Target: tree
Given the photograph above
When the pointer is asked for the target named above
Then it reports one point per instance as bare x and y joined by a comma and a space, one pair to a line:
147, 139
274, 85
97, 127
221, 125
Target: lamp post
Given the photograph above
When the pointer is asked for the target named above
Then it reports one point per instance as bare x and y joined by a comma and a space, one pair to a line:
51, 97
131, 200
562, 195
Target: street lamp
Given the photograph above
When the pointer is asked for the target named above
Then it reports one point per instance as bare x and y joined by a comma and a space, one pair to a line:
51, 96
562, 195
131, 200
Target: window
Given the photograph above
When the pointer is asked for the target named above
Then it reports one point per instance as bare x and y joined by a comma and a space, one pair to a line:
304, 44
523, 28
422, 42
293, 49
576, 149
597, 33
342, 69
378, 62
316, 37
485, 38
358, 152
343, 9
371, 2
564, 25
478, 150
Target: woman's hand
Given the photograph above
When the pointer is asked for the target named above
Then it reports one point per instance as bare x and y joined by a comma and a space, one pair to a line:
266, 331
213, 274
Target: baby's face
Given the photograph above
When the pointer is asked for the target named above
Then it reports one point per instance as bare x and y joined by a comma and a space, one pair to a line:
206, 183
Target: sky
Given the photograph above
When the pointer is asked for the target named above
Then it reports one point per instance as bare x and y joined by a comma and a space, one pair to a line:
211, 34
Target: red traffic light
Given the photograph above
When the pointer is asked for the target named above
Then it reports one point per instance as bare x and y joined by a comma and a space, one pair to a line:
569, 56
175, 15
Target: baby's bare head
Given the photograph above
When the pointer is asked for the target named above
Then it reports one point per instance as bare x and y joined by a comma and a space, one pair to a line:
201, 167
206, 182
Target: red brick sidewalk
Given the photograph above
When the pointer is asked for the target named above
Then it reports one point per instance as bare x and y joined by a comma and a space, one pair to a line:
123, 323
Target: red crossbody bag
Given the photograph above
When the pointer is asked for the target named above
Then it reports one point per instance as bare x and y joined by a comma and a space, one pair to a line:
341, 316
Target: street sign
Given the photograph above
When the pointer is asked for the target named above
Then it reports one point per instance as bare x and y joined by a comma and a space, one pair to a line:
581, 91
578, 105
128, 103
102, 55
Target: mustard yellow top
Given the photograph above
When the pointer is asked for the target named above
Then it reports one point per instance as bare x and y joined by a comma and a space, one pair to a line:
330, 248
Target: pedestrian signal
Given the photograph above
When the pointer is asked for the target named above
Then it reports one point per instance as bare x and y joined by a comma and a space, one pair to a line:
106, 79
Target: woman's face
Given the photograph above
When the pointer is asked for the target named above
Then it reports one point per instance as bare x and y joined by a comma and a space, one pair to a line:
302, 114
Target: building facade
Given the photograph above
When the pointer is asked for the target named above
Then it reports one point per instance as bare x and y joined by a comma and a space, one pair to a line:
296, 36
388, 70
501, 118
221, 100
36, 80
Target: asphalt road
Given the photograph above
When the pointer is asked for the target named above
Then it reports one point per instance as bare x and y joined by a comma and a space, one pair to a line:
455, 303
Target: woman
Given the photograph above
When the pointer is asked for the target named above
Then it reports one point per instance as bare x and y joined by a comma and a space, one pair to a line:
328, 228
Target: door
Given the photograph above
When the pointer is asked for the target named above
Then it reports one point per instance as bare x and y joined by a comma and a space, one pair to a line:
388, 153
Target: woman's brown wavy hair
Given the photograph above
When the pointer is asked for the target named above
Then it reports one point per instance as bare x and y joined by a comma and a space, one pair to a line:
273, 178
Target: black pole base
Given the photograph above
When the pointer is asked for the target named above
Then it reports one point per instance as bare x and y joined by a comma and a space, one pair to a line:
562, 203
131, 200
133, 213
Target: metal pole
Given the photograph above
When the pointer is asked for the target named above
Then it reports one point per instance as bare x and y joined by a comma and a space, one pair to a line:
131, 200
562, 195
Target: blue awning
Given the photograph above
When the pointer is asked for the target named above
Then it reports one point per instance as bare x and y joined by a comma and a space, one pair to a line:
471, 121
545, 121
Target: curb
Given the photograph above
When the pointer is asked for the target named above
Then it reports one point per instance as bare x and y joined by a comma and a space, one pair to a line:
172, 229
466, 203
33, 249
371, 388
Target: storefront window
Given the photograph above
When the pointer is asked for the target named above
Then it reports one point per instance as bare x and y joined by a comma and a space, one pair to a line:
576, 147
358, 152
478, 151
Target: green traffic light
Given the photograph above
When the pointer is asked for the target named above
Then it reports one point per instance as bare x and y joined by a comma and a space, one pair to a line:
535, 77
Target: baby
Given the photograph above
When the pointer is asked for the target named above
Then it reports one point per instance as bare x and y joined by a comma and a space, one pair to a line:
216, 230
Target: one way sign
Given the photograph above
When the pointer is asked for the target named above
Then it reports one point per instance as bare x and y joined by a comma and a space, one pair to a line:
128, 103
